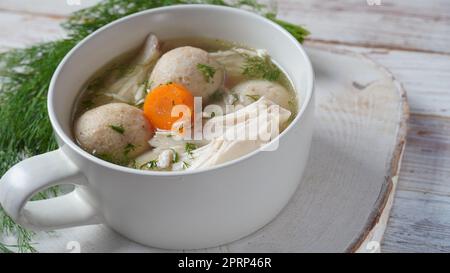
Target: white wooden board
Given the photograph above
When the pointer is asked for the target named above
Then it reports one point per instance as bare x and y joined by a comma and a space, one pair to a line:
344, 199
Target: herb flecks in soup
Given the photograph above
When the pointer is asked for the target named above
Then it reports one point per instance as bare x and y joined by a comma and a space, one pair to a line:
184, 104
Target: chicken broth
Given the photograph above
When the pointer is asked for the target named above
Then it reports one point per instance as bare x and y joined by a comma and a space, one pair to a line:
124, 112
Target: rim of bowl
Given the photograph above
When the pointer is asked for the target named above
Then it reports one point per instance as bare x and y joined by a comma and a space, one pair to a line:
69, 141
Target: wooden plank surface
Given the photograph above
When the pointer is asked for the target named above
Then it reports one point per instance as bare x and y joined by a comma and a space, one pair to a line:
425, 76
420, 218
22, 29
410, 38
413, 25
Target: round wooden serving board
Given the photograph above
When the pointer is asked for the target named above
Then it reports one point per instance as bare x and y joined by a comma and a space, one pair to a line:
343, 201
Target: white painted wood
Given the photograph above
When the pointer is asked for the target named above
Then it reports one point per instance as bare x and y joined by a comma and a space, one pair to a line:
425, 76
47, 7
420, 222
406, 24
347, 182
21, 30
420, 219
372, 243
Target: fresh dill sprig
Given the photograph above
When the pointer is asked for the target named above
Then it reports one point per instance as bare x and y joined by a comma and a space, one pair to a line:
261, 67
5, 249
25, 76
299, 33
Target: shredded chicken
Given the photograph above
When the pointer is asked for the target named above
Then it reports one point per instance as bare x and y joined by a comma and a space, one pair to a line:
130, 88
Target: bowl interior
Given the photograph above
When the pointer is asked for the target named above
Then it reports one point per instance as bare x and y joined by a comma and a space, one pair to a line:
173, 22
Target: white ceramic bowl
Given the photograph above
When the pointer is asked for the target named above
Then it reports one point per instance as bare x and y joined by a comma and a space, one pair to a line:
175, 210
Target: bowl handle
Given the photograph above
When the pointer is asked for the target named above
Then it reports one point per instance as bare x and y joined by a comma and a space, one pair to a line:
35, 174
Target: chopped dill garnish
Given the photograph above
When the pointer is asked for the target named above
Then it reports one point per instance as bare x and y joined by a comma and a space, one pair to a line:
88, 104
235, 98
151, 165
139, 105
207, 71
118, 128
129, 148
176, 156
186, 165
259, 67
291, 103
216, 96
26, 131
133, 164
189, 148
106, 157
254, 97
147, 84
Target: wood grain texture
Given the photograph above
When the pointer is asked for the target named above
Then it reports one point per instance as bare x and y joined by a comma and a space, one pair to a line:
425, 76
409, 25
428, 156
420, 220
52, 8
21, 30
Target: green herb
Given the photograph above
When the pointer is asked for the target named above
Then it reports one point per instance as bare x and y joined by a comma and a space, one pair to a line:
25, 76
298, 32
207, 71
235, 98
88, 104
152, 164
139, 105
106, 157
133, 164
254, 97
118, 128
130, 147
189, 148
186, 165
216, 96
259, 67
176, 156
251, 3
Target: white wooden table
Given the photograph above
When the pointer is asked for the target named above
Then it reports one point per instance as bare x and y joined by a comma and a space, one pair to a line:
409, 37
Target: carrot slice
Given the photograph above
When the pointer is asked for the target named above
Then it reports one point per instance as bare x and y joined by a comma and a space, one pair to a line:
160, 101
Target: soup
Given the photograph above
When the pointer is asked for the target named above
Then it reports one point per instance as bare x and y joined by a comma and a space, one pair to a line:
181, 104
